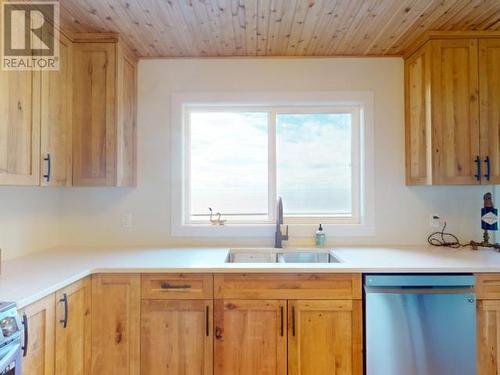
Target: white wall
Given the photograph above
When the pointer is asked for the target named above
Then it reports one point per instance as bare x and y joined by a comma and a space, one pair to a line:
91, 216
29, 220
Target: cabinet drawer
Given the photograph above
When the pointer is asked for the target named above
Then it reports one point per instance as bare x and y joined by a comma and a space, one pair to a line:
177, 286
288, 286
488, 286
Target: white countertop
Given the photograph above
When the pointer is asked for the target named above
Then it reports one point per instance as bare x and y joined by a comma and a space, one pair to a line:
29, 278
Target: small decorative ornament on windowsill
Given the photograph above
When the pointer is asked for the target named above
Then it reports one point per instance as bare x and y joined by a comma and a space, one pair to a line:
218, 220
489, 222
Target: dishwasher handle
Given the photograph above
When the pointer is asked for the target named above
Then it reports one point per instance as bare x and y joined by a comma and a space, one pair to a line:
421, 290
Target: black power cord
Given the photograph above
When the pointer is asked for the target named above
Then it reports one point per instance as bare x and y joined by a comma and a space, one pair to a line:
445, 239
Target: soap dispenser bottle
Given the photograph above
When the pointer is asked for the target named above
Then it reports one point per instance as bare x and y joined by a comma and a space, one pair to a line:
320, 237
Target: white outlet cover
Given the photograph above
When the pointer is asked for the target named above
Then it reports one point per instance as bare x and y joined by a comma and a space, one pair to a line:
435, 221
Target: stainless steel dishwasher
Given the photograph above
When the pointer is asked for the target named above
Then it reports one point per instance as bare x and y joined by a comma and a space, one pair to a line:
420, 324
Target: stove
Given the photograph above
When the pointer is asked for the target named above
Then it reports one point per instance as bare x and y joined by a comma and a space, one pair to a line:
12, 333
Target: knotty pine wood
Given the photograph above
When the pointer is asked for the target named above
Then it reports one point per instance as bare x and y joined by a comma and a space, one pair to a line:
488, 337
288, 286
73, 343
455, 110
196, 28
489, 107
250, 337
177, 286
325, 337
41, 320
418, 117
177, 337
488, 286
19, 127
94, 127
116, 314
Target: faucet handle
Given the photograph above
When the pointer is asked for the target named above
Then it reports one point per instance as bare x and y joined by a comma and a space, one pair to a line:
285, 236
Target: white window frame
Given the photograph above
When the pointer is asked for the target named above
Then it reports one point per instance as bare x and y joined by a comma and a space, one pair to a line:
358, 103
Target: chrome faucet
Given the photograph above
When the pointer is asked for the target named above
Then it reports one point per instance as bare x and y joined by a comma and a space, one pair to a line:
278, 236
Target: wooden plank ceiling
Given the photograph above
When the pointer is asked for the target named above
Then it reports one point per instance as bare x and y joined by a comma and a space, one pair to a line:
177, 28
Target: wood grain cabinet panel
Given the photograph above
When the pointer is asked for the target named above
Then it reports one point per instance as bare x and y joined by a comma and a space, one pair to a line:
177, 286
489, 94
176, 337
488, 336
418, 122
73, 329
325, 337
40, 351
104, 113
250, 337
116, 310
19, 127
452, 100
288, 286
455, 111
56, 120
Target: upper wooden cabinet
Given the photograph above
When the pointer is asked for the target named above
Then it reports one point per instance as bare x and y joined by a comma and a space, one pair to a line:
489, 107
452, 105
55, 141
19, 127
104, 113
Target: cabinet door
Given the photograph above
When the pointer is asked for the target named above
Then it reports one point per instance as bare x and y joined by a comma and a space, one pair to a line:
116, 305
56, 120
489, 86
250, 337
488, 337
417, 121
73, 338
126, 119
40, 351
94, 127
455, 111
325, 337
19, 127
176, 337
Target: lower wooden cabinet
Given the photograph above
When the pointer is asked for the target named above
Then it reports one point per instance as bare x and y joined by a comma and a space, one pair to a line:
40, 348
73, 331
488, 335
325, 337
176, 337
250, 337
116, 305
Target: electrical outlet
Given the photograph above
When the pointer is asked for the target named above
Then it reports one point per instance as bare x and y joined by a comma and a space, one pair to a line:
435, 221
126, 220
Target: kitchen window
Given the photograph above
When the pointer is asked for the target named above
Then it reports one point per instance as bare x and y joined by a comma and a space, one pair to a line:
236, 157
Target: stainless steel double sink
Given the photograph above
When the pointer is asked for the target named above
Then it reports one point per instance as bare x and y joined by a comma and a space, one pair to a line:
272, 255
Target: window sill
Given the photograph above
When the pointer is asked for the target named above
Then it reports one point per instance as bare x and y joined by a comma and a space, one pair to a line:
268, 230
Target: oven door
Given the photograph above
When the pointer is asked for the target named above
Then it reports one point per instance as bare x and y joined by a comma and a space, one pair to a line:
10, 359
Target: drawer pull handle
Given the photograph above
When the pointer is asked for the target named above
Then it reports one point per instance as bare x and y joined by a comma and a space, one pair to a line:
171, 286
293, 320
64, 300
478, 168
282, 321
207, 320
